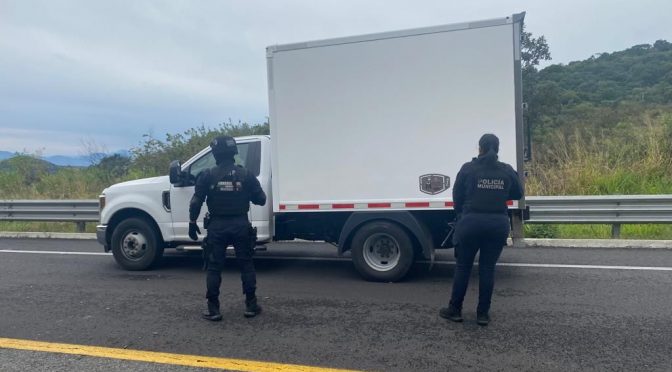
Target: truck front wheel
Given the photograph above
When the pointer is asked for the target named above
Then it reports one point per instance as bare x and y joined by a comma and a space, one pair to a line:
135, 245
382, 251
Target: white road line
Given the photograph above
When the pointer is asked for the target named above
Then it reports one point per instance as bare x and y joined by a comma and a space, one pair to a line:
55, 252
343, 259
565, 266
599, 267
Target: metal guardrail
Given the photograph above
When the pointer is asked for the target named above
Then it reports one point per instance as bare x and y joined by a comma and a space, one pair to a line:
611, 209
78, 211
608, 209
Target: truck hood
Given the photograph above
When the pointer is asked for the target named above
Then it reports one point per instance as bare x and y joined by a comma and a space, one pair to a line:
143, 182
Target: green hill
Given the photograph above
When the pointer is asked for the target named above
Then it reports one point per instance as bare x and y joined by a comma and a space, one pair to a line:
603, 125
27, 164
602, 94
642, 74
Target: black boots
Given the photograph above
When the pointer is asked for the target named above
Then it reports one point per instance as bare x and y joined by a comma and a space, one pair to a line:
252, 309
482, 318
451, 312
454, 313
212, 314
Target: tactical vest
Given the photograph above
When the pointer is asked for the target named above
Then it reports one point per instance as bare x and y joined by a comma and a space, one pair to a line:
227, 194
489, 189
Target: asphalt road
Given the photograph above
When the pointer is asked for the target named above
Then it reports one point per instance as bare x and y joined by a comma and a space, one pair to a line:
318, 312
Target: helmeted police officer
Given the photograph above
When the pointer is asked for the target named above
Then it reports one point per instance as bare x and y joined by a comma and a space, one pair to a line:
481, 191
228, 190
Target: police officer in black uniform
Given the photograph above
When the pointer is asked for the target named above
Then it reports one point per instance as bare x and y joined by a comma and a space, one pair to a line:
228, 190
482, 188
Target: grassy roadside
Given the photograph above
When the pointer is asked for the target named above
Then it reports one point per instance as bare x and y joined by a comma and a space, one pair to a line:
642, 231
63, 227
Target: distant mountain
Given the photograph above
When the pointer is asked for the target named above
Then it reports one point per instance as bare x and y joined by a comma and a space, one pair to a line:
68, 160
5, 155
73, 161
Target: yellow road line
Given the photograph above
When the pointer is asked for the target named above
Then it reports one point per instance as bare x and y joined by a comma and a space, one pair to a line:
156, 357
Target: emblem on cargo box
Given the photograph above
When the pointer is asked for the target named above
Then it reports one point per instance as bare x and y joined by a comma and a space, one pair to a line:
433, 184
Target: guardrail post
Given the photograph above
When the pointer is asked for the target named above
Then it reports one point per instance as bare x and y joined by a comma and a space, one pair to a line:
616, 231
517, 233
81, 226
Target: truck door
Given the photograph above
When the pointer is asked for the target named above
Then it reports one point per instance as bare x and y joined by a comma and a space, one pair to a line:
248, 157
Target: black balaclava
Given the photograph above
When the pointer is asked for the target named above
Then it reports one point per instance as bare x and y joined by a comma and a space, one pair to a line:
224, 158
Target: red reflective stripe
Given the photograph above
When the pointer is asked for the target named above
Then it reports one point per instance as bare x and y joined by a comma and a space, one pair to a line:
448, 204
379, 205
417, 205
343, 206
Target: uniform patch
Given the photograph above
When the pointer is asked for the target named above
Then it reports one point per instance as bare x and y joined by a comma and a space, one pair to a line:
229, 186
433, 184
490, 183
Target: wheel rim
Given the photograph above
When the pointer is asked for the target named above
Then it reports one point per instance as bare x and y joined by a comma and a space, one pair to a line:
381, 252
134, 245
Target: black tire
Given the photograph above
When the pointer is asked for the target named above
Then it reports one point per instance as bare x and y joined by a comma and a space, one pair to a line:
136, 244
382, 251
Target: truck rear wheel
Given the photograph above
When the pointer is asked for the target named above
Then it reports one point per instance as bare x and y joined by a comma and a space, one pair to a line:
382, 251
135, 245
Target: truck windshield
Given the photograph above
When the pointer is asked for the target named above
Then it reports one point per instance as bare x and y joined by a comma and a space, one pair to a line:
249, 156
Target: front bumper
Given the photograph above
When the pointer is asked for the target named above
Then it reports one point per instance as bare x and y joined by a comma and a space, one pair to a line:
101, 236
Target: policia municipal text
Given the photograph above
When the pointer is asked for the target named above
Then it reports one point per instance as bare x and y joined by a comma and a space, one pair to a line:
482, 188
228, 190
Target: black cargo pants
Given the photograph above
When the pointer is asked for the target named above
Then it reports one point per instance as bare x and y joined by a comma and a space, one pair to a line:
223, 232
485, 232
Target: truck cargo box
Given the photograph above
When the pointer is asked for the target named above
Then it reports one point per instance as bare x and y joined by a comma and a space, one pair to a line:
375, 121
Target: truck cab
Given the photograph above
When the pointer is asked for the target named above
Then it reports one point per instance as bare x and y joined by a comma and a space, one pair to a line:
142, 217
254, 155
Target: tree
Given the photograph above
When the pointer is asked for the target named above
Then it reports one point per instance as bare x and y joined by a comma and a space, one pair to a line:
92, 150
116, 166
154, 155
533, 50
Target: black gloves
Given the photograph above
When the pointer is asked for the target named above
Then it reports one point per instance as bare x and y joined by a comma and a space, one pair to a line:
194, 231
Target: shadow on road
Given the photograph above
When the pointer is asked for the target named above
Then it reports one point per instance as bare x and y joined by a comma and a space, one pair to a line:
301, 266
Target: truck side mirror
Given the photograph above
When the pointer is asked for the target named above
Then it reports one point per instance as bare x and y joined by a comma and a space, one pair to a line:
175, 175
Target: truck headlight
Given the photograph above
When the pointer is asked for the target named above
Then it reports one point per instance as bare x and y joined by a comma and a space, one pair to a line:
101, 202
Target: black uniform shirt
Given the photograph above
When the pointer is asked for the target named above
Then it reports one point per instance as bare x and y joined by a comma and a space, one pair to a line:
484, 185
240, 196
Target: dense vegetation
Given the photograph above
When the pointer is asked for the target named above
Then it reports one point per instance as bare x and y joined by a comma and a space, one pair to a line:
598, 126
26, 177
603, 125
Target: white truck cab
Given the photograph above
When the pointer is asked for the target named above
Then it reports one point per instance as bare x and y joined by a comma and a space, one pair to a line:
139, 218
254, 154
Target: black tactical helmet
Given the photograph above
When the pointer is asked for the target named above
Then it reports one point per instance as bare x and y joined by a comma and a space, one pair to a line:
224, 145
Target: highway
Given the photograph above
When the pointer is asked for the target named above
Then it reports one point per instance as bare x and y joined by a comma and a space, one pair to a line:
554, 309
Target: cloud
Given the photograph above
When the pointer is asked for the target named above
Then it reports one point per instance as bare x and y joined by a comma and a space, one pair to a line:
117, 69
31, 141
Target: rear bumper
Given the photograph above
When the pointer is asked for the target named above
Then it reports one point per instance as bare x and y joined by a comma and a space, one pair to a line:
101, 236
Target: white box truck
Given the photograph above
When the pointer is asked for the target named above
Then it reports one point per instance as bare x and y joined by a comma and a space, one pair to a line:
367, 133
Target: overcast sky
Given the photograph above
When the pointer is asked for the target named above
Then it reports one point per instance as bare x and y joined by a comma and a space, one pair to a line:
108, 72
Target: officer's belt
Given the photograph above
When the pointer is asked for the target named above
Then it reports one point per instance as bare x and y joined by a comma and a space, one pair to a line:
212, 216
